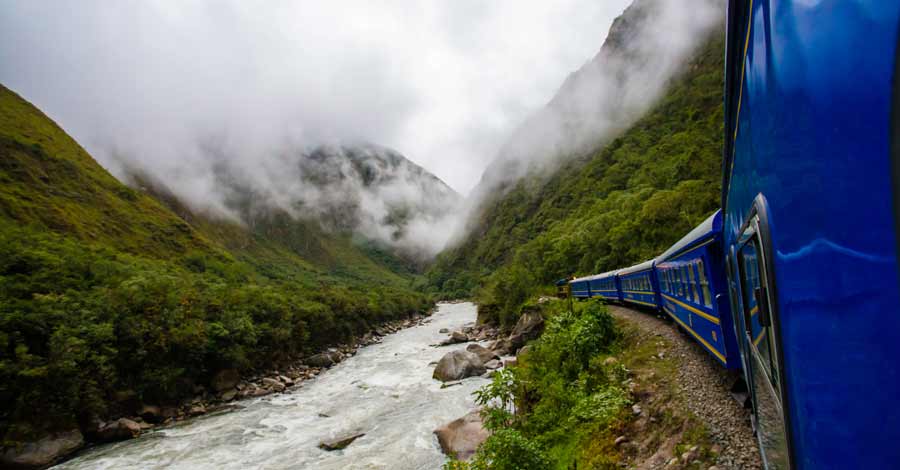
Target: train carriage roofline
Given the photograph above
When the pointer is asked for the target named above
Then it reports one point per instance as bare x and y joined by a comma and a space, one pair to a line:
707, 229
645, 266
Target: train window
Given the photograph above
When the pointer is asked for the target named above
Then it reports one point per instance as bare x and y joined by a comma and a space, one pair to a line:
704, 284
694, 291
761, 336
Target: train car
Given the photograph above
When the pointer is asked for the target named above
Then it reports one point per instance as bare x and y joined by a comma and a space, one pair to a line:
638, 285
694, 292
810, 200
562, 288
606, 286
579, 288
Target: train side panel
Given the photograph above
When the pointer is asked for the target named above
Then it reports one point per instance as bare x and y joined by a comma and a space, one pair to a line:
580, 289
811, 169
638, 288
691, 284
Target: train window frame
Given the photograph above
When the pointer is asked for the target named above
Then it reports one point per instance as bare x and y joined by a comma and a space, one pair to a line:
695, 292
704, 283
756, 231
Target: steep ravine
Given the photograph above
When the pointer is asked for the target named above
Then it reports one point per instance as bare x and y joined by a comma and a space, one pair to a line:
385, 391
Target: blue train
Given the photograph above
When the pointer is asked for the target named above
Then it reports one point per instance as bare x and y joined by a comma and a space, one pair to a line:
795, 281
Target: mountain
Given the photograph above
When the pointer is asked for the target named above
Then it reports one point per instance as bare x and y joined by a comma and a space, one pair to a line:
577, 212
112, 295
645, 47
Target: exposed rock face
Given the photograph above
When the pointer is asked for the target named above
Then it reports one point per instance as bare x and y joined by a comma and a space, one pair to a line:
482, 352
225, 379
320, 360
529, 327
120, 429
339, 443
461, 437
457, 365
43, 452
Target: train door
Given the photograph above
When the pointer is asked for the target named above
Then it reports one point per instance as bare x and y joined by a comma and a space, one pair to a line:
761, 337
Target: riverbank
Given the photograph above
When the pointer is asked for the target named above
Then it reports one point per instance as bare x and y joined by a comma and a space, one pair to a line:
384, 392
222, 394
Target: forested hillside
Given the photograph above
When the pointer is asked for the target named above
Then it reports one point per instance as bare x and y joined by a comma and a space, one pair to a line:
621, 204
112, 296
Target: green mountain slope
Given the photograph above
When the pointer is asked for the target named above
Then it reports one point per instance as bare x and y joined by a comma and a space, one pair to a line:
621, 204
110, 296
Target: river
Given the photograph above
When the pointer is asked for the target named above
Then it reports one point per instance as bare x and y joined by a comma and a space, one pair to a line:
385, 391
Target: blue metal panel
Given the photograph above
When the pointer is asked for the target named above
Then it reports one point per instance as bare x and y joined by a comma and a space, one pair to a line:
637, 285
604, 285
809, 112
703, 312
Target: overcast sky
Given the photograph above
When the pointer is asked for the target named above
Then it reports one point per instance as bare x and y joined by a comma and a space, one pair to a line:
443, 82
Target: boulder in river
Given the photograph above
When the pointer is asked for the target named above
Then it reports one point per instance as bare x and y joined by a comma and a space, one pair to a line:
482, 352
493, 364
339, 443
42, 453
460, 438
457, 365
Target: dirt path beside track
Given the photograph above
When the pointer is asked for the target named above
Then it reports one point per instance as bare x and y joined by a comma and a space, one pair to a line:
705, 389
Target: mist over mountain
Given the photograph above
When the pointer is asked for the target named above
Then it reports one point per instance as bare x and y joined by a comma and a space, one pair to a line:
645, 48
365, 190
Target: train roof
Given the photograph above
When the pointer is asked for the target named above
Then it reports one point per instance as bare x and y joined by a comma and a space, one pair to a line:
706, 229
636, 268
595, 276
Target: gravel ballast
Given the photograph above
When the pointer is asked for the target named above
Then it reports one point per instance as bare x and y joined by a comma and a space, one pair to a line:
705, 386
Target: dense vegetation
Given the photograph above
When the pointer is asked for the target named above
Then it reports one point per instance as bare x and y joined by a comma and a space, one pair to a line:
109, 299
547, 412
622, 204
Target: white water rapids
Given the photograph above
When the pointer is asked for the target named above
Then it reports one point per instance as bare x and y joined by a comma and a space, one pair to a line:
385, 391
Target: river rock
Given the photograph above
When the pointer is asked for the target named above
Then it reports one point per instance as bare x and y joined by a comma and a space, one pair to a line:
501, 347
225, 379
493, 364
444, 330
482, 352
529, 327
339, 443
460, 438
43, 452
120, 429
457, 365
320, 360
228, 395
455, 338
273, 384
